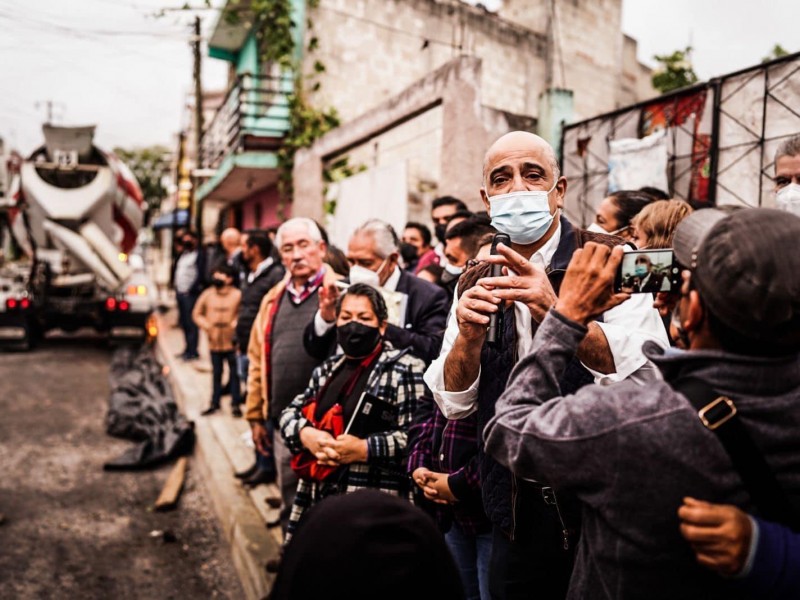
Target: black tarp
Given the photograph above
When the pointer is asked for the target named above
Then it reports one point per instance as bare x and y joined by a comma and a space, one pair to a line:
141, 408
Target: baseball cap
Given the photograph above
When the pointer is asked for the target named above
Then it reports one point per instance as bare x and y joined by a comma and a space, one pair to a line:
745, 268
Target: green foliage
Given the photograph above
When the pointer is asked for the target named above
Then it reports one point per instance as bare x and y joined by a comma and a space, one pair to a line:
273, 24
149, 165
776, 52
675, 71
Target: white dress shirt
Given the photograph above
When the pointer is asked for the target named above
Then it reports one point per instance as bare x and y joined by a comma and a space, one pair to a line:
262, 266
321, 326
626, 328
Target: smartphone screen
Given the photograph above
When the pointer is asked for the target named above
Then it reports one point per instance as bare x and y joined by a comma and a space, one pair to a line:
648, 271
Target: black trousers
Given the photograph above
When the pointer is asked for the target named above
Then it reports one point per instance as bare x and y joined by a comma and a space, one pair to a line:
535, 568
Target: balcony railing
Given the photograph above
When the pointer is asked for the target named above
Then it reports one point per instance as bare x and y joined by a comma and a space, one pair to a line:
253, 116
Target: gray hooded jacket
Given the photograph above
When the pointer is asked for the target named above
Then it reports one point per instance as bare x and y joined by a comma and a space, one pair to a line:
631, 453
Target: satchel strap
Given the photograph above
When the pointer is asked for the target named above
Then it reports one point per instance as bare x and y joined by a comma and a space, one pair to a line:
719, 414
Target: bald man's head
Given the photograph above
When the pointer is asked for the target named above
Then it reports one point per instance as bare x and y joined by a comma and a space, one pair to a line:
520, 141
230, 240
522, 162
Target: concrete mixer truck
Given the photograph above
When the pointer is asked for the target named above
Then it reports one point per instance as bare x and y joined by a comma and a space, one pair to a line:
69, 221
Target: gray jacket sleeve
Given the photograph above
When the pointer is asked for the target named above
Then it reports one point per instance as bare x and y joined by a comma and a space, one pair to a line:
540, 435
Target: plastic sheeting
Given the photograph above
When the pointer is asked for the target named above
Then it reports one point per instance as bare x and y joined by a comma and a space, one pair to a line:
141, 408
634, 163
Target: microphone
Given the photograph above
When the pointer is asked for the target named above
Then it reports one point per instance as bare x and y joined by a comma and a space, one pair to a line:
494, 335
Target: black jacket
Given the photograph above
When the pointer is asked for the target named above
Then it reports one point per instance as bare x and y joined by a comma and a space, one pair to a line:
425, 322
252, 294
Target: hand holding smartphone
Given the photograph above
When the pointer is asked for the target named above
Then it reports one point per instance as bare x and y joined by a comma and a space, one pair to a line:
648, 271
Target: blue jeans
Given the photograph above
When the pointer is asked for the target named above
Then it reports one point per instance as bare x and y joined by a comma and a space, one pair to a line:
217, 360
243, 365
191, 334
472, 553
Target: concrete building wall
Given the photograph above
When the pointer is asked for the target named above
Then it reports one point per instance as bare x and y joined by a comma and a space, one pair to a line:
438, 126
373, 49
637, 81
416, 142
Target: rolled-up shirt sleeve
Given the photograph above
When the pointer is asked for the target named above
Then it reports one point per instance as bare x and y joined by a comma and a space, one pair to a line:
454, 405
321, 326
627, 327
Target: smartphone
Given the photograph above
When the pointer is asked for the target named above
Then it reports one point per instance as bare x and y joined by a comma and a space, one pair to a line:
648, 271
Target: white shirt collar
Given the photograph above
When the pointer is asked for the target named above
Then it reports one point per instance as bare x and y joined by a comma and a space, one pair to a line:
544, 255
262, 266
394, 279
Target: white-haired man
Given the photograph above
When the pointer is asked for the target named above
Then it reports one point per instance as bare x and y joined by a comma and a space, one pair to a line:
373, 253
279, 366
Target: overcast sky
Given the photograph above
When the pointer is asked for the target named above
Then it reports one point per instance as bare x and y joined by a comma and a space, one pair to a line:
111, 62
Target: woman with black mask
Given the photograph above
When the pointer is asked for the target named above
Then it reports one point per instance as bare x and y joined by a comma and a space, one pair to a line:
348, 430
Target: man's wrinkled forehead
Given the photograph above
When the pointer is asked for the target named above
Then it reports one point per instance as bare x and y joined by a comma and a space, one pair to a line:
529, 150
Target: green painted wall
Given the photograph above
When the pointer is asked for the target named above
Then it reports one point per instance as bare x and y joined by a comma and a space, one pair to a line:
247, 60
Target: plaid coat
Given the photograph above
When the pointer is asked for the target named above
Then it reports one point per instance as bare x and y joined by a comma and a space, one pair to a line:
449, 446
396, 378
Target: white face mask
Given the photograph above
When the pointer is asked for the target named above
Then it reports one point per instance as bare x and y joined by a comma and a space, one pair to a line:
788, 198
524, 216
595, 228
453, 270
359, 274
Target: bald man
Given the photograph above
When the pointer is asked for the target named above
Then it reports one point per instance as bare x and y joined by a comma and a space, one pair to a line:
534, 528
230, 240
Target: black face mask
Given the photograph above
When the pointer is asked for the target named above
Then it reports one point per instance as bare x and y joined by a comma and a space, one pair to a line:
218, 283
408, 252
356, 339
440, 230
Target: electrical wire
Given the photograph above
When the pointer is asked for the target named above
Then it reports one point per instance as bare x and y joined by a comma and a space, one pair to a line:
425, 39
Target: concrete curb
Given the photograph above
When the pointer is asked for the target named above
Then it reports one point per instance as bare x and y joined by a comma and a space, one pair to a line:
219, 452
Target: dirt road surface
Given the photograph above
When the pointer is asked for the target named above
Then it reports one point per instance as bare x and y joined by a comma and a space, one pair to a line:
71, 530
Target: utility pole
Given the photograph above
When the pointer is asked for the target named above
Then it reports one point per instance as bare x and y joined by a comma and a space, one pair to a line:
49, 106
198, 123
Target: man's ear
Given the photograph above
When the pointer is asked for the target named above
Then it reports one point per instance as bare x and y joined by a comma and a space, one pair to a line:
561, 191
695, 315
485, 199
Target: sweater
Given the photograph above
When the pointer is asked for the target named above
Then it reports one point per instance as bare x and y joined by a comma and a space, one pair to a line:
290, 365
258, 375
215, 313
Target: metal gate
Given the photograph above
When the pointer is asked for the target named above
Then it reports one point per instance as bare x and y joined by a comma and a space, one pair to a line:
721, 139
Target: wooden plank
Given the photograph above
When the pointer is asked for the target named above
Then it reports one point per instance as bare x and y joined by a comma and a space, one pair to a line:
168, 498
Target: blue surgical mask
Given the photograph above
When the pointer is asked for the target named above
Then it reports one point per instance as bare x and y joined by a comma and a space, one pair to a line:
524, 216
640, 270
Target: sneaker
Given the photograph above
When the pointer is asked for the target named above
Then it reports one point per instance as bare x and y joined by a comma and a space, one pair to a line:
210, 411
236, 411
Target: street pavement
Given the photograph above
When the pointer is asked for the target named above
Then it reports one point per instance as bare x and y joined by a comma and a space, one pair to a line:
224, 445
72, 530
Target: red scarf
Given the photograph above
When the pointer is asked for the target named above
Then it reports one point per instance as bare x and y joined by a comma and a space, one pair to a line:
305, 464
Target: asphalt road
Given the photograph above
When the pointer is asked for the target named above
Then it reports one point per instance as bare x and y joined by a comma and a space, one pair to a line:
72, 530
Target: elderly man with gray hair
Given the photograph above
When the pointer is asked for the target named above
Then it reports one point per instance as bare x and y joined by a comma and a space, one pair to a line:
373, 253
279, 366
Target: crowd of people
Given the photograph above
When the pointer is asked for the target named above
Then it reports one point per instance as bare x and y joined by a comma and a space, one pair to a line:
598, 444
